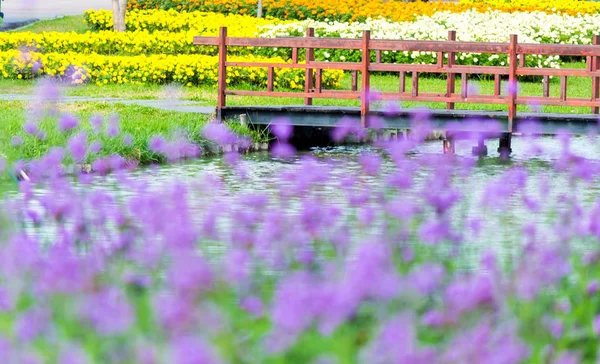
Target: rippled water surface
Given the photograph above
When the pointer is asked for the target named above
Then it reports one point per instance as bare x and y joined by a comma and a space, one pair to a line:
503, 231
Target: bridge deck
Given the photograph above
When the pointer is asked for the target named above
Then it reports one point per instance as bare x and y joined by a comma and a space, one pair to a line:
442, 119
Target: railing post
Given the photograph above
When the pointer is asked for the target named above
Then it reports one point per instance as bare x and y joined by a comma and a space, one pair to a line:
222, 72
451, 78
595, 80
366, 81
308, 76
512, 81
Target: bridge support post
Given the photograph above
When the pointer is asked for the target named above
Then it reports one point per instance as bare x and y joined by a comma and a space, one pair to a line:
308, 73
480, 150
505, 141
449, 145
222, 73
365, 89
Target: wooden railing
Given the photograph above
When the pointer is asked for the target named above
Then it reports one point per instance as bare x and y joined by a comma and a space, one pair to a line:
313, 87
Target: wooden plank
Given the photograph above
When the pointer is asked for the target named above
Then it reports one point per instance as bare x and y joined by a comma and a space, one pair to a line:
557, 101
433, 68
222, 72
440, 59
366, 81
308, 75
402, 81
450, 77
512, 81
270, 80
295, 55
291, 42
415, 84
522, 60
346, 66
441, 97
319, 78
558, 49
378, 56
595, 80
572, 72
438, 46
497, 85
563, 88
354, 80
406, 45
463, 85
546, 86
207, 41
325, 94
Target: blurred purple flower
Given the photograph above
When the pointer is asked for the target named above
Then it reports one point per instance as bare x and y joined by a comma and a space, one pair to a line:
113, 126
283, 150
219, 134
30, 128
370, 162
109, 311
191, 350
253, 305
97, 121
426, 278
157, 144
16, 141
592, 288
282, 129
77, 145
189, 273
127, 140
67, 122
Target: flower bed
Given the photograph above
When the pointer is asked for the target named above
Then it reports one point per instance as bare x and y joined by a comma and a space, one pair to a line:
346, 10
472, 26
161, 69
173, 21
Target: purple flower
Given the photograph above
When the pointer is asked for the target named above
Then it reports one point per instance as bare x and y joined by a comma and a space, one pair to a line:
113, 126
96, 121
592, 288
426, 278
219, 134
128, 140
31, 324
77, 146
189, 273
192, 350
283, 150
157, 144
370, 162
95, 147
16, 141
433, 318
67, 122
74, 355
30, 128
282, 129
253, 305
397, 343
109, 311
596, 325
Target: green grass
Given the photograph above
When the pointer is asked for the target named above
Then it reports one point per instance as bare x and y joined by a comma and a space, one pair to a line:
576, 87
74, 23
142, 123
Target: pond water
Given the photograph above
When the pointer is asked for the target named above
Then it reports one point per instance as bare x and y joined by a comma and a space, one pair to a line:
502, 230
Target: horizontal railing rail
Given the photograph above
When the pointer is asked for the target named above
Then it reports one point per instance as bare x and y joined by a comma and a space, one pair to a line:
446, 64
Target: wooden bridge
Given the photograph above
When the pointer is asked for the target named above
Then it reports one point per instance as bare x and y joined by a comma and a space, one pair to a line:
371, 49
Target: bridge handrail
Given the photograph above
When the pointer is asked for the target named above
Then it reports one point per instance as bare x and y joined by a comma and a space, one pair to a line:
515, 51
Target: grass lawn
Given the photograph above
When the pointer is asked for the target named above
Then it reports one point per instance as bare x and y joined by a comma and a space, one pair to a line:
141, 123
206, 95
73, 23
